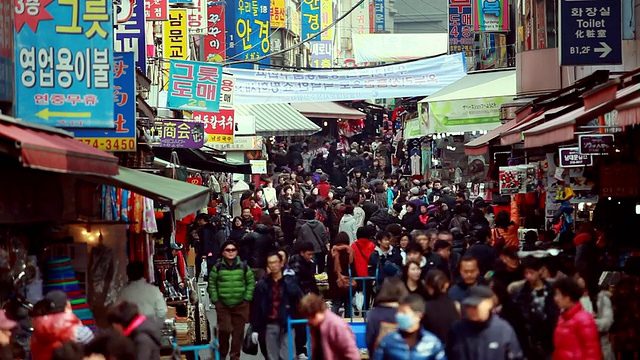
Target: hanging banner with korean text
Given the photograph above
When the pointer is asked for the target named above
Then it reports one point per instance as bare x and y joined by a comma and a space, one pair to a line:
360, 19
194, 85
226, 90
156, 10
379, 17
7, 69
64, 57
416, 78
311, 21
248, 31
322, 54
278, 14
214, 41
197, 18
460, 27
490, 15
326, 15
181, 134
123, 137
218, 126
175, 39
129, 31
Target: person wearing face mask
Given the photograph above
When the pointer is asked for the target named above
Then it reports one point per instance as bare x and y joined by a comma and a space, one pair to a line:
410, 340
480, 335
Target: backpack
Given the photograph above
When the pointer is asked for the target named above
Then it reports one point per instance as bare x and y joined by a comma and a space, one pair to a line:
243, 266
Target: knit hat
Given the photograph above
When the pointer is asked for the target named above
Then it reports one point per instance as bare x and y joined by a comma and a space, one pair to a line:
415, 191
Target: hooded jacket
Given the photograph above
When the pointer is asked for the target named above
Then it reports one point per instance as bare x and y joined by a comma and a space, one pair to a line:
315, 232
256, 245
362, 250
336, 338
52, 331
349, 226
305, 273
490, 340
145, 334
576, 336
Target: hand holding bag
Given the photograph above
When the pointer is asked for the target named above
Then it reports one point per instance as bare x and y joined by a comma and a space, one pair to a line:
248, 346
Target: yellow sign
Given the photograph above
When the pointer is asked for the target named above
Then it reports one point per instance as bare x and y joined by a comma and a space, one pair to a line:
296, 20
326, 12
278, 14
175, 41
110, 144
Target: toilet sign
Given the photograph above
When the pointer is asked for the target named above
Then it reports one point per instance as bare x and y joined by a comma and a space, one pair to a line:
590, 32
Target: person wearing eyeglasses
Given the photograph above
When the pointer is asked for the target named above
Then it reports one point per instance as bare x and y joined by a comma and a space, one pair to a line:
231, 285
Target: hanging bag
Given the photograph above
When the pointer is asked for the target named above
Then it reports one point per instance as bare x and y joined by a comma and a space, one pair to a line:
174, 170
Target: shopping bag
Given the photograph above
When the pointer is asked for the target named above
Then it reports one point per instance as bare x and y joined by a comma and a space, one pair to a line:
203, 270
248, 346
358, 300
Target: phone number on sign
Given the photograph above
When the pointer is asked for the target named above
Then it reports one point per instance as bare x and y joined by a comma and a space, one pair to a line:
110, 144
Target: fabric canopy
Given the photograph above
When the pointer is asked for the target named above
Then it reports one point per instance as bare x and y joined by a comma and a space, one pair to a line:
328, 110
514, 135
480, 145
477, 85
629, 113
50, 149
182, 197
198, 159
277, 120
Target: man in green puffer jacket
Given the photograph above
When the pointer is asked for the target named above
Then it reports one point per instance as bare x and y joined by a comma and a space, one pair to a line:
231, 285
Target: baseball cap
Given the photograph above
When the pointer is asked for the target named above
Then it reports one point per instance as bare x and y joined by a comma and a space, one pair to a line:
56, 301
5, 322
477, 294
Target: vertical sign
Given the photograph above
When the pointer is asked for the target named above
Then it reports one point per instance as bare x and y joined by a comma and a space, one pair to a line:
174, 38
296, 20
123, 137
491, 15
322, 54
590, 32
197, 18
156, 10
64, 54
360, 18
460, 34
129, 31
250, 34
379, 17
310, 10
6, 51
326, 13
194, 85
214, 41
278, 14
219, 126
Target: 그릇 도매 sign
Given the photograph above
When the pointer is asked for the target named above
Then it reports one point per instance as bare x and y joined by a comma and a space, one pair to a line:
597, 144
177, 134
218, 126
63, 55
571, 157
123, 136
194, 85
590, 32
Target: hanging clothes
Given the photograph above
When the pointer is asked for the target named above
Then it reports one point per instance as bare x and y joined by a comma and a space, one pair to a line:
416, 165
149, 217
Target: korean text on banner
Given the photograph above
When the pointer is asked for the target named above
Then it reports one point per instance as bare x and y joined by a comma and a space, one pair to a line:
64, 54
416, 78
322, 54
156, 10
460, 27
123, 137
379, 17
226, 90
214, 41
219, 126
310, 10
177, 134
490, 15
249, 32
129, 31
194, 85
360, 19
174, 38
7, 65
197, 18
466, 115
278, 14
326, 13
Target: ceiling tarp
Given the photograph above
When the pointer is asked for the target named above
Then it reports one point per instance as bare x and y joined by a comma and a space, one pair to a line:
278, 120
471, 103
328, 110
393, 47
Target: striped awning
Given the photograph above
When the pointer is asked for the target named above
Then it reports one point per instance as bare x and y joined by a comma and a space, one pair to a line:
277, 120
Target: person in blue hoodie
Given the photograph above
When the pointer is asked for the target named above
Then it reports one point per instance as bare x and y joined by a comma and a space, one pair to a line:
410, 340
386, 260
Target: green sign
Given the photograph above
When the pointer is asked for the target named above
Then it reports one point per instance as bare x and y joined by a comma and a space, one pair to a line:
465, 115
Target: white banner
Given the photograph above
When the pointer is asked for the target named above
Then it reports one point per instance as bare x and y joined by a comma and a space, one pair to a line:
416, 78
197, 18
393, 47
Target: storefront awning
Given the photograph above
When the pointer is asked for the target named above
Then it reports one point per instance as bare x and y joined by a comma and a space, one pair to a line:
514, 135
198, 159
480, 145
471, 103
328, 110
182, 197
277, 120
50, 149
629, 113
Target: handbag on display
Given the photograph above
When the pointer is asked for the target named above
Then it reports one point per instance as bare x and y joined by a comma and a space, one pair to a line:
174, 170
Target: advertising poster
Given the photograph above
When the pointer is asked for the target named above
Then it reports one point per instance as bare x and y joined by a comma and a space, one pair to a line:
123, 136
215, 41
360, 19
322, 54
491, 15
278, 14
197, 18
219, 127
64, 63
156, 10
311, 20
460, 27
129, 31
466, 115
510, 180
177, 134
326, 14
194, 85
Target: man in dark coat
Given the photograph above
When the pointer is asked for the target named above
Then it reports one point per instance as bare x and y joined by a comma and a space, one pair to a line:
210, 240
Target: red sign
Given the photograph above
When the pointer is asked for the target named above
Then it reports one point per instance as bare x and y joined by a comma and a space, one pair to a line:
214, 41
156, 10
219, 127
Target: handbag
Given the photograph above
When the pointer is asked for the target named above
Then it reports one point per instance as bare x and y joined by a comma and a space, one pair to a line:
248, 346
174, 170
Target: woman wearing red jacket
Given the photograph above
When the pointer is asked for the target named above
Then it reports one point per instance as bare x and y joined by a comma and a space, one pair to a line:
576, 335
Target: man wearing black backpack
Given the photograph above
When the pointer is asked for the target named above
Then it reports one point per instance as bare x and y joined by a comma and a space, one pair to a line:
231, 285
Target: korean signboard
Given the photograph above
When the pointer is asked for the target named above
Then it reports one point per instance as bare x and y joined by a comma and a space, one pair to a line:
248, 30
360, 19
6, 51
177, 134
197, 18
379, 16
214, 41
241, 143
296, 20
326, 14
311, 20
619, 180
226, 90
258, 166
322, 54
460, 27
218, 126
129, 31
600, 144
194, 85
590, 32
64, 57
278, 14
123, 137
174, 35
482, 113
490, 15
156, 10
571, 157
